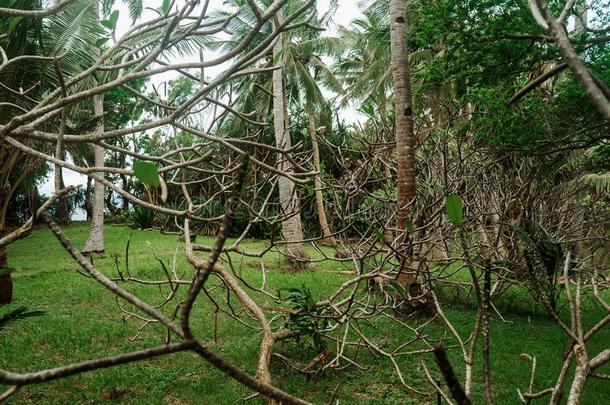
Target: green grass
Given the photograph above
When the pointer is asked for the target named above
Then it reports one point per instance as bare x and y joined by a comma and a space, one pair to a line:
82, 321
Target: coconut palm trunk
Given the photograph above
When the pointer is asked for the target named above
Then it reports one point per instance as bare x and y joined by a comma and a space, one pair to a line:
63, 217
328, 238
292, 230
404, 133
95, 241
6, 283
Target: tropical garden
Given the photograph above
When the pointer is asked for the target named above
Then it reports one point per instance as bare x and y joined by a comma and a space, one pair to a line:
304, 201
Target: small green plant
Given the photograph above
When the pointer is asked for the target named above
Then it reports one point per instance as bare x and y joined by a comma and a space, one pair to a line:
16, 315
142, 217
306, 318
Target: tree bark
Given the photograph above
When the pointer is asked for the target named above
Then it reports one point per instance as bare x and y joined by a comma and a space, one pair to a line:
572, 59
580, 375
6, 284
292, 229
34, 203
125, 184
95, 241
88, 208
63, 214
328, 238
486, 333
404, 133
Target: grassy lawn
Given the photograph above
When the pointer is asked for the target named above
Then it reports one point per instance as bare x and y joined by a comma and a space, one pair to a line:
82, 321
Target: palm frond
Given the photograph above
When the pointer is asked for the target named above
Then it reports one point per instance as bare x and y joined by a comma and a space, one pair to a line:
600, 182
135, 7
18, 314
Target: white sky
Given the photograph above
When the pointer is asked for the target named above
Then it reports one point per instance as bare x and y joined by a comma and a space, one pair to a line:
346, 12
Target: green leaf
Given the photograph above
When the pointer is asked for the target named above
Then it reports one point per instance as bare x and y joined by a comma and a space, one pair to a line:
380, 235
147, 173
367, 109
114, 18
409, 226
101, 42
111, 22
18, 314
454, 209
12, 23
165, 6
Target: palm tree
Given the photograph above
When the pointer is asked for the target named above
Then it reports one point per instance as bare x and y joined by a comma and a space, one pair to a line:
256, 97
290, 203
95, 240
328, 237
364, 66
294, 84
304, 71
403, 105
69, 29
374, 42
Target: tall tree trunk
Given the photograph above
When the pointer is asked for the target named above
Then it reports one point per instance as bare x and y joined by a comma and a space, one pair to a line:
328, 239
95, 241
34, 199
292, 230
109, 204
88, 208
125, 182
404, 134
63, 214
125, 187
6, 283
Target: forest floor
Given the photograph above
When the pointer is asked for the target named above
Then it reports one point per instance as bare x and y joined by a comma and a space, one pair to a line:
82, 321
